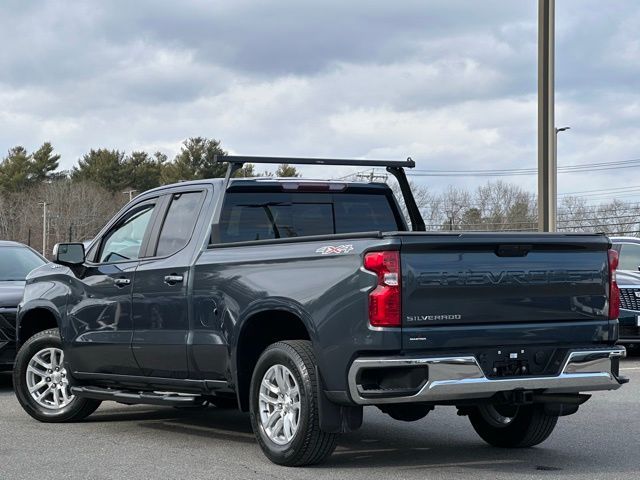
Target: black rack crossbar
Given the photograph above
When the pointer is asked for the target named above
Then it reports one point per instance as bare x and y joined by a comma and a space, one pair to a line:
408, 163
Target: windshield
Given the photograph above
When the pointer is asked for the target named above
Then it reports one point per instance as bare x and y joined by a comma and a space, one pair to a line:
17, 262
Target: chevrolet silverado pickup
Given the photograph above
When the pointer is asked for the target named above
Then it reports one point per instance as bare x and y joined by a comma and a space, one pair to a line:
304, 301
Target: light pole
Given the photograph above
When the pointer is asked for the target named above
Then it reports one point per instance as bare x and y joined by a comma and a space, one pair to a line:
44, 227
554, 183
547, 170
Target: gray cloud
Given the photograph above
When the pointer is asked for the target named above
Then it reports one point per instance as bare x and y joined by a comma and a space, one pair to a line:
449, 82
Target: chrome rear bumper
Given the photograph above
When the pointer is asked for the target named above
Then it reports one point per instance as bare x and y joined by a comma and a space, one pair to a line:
461, 378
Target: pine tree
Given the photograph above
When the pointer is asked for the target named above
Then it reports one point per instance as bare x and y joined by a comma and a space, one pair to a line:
143, 172
44, 163
15, 170
286, 170
196, 160
104, 167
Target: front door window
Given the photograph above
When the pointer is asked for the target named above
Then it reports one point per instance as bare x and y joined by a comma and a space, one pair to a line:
124, 241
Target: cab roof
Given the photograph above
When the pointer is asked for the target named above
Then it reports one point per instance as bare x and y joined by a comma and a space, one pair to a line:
271, 182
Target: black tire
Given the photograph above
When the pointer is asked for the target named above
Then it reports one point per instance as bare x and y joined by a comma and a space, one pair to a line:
406, 412
78, 409
529, 426
309, 445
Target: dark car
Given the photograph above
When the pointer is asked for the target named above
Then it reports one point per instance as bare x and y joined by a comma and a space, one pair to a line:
16, 261
629, 282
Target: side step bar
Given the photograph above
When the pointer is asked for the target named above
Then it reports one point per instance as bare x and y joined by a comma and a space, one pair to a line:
134, 398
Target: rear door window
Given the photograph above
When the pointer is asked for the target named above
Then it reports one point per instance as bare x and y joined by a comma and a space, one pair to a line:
179, 222
263, 216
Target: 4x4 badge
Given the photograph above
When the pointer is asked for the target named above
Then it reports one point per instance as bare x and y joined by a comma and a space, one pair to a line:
334, 249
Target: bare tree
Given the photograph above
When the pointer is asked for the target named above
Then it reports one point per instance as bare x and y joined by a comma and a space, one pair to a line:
427, 203
614, 218
453, 204
76, 211
504, 206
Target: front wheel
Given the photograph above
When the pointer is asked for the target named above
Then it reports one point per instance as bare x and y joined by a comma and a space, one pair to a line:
41, 381
510, 426
284, 406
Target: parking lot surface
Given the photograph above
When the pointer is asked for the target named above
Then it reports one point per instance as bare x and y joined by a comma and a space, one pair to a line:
601, 441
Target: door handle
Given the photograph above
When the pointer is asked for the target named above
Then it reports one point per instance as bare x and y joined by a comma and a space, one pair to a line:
122, 282
173, 279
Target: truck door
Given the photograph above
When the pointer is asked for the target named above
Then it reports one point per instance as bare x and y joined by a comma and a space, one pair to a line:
100, 311
161, 303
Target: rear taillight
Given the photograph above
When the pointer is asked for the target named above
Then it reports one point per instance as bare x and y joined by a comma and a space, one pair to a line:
614, 291
385, 299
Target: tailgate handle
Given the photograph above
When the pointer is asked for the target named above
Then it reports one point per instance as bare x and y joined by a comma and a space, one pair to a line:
513, 250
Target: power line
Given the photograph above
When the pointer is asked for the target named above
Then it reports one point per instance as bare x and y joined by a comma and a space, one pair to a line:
585, 167
633, 187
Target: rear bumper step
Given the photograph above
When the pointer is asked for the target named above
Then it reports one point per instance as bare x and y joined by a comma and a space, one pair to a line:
134, 398
461, 378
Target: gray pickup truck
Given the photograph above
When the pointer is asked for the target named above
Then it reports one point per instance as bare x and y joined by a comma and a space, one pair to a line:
303, 301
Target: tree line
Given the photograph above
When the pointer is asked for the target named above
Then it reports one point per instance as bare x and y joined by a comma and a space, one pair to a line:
80, 200
503, 206
116, 171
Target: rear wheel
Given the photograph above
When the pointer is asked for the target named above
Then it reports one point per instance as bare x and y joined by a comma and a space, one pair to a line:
284, 406
512, 426
41, 381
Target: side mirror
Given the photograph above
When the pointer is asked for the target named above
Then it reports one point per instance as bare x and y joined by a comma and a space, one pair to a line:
69, 254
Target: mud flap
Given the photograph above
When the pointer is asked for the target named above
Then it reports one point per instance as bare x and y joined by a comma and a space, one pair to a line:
336, 418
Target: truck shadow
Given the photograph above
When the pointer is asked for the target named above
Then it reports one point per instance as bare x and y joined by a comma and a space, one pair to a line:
443, 443
461, 454
212, 423
6, 384
380, 443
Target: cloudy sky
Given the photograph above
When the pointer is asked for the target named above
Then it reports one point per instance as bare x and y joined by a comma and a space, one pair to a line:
451, 83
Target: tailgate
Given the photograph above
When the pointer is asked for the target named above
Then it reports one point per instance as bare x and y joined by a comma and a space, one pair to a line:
473, 279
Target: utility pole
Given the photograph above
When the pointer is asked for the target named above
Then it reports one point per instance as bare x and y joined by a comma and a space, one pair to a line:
44, 227
130, 193
547, 165
371, 176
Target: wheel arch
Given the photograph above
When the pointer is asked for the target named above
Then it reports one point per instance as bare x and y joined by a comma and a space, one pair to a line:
34, 318
261, 326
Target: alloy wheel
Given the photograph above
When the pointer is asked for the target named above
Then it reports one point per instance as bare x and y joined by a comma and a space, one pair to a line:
279, 404
47, 379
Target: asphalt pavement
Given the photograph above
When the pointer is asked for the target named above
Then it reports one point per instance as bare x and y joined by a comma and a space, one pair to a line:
119, 442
